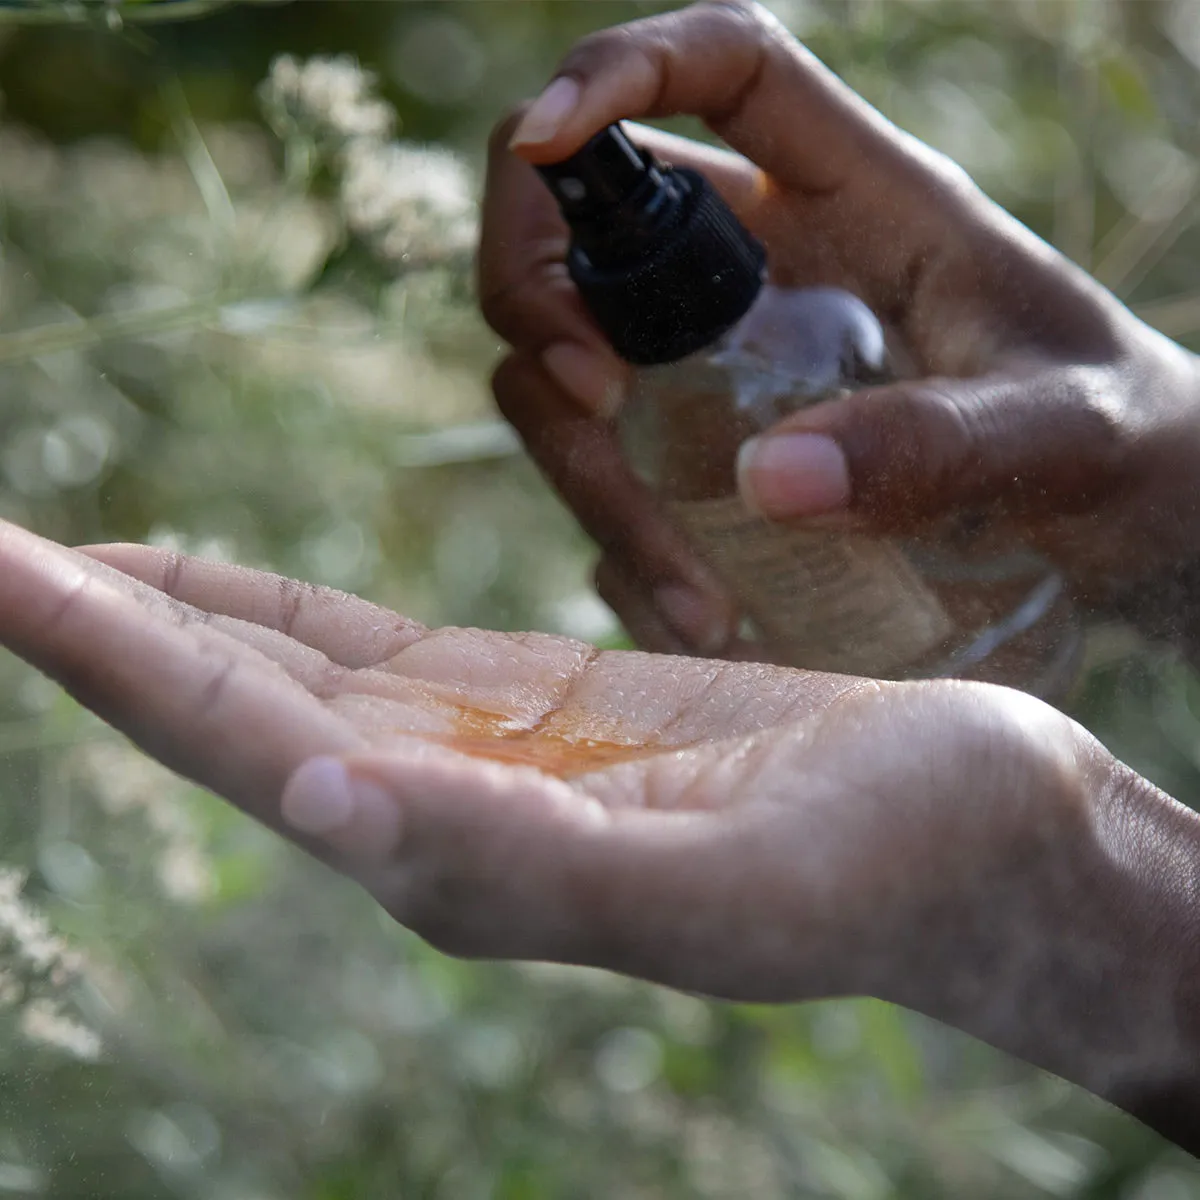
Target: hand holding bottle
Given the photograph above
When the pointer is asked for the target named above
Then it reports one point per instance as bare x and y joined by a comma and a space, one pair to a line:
1034, 398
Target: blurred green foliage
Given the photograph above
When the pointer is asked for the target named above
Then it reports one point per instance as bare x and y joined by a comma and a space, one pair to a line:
220, 330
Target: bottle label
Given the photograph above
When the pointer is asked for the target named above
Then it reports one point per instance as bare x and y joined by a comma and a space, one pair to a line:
824, 601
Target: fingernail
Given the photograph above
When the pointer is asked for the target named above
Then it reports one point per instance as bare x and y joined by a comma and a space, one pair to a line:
318, 798
355, 815
585, 376
793, 475
544, 116
694, 617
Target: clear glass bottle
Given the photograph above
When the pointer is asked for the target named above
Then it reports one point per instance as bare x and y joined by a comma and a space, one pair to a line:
679, 287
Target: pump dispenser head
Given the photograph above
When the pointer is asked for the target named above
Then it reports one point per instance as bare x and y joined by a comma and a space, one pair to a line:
660, 260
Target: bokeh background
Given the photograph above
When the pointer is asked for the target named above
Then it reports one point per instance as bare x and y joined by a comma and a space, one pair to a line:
236, 318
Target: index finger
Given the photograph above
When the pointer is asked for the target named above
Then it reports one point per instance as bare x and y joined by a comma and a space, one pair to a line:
192, 697
347, 630
733, 65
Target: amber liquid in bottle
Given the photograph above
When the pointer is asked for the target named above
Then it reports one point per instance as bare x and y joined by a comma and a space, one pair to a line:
958, 603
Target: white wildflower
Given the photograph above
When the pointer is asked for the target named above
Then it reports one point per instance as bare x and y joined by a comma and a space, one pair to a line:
411, 204
409, 201
329, 98
26, 938
33, 959
43, 1021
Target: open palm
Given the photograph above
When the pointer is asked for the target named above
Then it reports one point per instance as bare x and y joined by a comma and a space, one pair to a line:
730, 828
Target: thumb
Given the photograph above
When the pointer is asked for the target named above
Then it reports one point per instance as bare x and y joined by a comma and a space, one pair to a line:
1029, 442
489, 859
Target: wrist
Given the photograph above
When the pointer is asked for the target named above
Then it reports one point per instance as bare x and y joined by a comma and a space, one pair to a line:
1083, 955
1151, 849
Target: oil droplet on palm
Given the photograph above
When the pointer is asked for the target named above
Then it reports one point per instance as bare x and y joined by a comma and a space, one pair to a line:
552, 745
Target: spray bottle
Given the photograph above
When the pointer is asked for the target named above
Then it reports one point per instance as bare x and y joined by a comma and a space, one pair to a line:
681, 290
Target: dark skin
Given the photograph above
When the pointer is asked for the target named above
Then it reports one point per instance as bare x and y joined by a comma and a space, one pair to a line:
1036, 399
1032, 397
738, 830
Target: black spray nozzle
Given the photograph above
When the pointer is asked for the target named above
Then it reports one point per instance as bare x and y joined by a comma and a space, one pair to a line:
658, 257
604, 174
